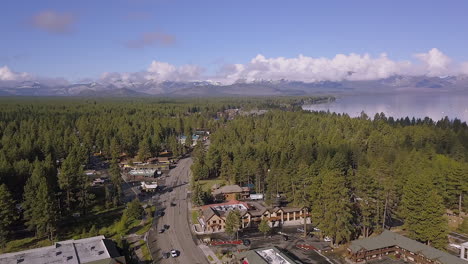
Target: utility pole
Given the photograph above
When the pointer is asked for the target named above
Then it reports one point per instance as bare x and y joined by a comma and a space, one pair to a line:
305, 222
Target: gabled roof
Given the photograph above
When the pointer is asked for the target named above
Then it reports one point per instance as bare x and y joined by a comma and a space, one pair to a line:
228, 189
390, 239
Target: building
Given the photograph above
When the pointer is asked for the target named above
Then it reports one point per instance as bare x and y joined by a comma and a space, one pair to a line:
464, 251
92, 250
230, 192
195, 138
213, 217
269, 255
149, 187
392, 244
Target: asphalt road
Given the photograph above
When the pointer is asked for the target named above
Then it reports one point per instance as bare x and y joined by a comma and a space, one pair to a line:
178, 236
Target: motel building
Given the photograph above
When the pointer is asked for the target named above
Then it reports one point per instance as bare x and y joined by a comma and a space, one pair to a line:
390, 244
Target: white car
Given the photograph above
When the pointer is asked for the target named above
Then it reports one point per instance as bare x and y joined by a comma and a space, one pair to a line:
174, 253
327, 239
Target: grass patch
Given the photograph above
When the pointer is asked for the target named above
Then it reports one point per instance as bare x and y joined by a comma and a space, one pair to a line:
148, 222
195, 215
145, 251
26, 243
207, 184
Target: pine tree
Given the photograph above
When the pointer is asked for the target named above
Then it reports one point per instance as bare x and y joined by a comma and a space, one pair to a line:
198, 197
7, 214
68, 178
263, 227
39, 204
134, 209
423, 212
232, 222
144, 150
333, 211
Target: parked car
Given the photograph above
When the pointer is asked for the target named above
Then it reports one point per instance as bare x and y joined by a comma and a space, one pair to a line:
327, 239
166, 227
300, 229
166, 255
174, 253
161, 230
173, 204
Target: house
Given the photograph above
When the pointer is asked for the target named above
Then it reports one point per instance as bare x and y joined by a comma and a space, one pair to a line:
164, 160
231, 192
213, 216
149, 187
265, 256
464, 251
92, 250
195, 139
392, 244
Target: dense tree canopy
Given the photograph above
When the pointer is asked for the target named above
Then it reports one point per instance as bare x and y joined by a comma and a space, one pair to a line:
356, 174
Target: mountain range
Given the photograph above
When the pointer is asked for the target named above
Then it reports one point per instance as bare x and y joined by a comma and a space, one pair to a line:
121, 88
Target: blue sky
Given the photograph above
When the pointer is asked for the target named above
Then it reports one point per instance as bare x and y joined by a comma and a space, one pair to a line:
97, 35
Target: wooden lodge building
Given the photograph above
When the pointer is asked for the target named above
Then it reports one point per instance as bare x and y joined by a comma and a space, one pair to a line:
230, 192
213, 216
392, 244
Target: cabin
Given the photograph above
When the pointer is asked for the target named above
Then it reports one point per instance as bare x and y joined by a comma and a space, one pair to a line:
230, 192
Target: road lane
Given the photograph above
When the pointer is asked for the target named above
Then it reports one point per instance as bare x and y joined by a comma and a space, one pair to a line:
178, 236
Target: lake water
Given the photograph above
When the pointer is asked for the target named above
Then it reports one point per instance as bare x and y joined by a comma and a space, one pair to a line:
433, 105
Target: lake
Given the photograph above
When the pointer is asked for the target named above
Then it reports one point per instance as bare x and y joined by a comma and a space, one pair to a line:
433, 105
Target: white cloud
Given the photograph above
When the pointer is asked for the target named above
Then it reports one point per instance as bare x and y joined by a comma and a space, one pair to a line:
436, 63
8, 75
339, 68
162, 71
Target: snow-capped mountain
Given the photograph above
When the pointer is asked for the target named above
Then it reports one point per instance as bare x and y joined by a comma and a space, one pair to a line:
124, 88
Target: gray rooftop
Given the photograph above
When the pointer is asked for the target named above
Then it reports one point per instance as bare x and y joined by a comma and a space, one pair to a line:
390, 239
88, 250
269, 255
228, 189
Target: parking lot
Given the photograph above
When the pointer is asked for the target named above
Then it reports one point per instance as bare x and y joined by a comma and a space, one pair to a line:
294, 237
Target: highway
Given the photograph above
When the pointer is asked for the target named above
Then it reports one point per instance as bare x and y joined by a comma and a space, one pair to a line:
178, 236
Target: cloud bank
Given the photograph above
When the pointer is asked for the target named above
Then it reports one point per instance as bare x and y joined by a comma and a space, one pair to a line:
53, 21
352, 67
8, 75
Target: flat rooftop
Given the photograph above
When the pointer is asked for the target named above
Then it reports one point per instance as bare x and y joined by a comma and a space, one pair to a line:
269, 255
79, 251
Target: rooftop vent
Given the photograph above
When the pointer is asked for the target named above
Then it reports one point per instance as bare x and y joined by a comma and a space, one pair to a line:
69, 257
58, 253
93, 247
101, 252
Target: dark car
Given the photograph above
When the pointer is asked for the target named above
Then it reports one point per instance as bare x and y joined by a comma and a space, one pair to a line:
166, 255
160, 213
166, 226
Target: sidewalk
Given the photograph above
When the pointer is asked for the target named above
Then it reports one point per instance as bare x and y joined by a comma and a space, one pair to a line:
209, 253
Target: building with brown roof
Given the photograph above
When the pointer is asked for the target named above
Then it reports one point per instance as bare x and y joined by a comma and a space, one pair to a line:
231, 192
213, 216
392, 244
